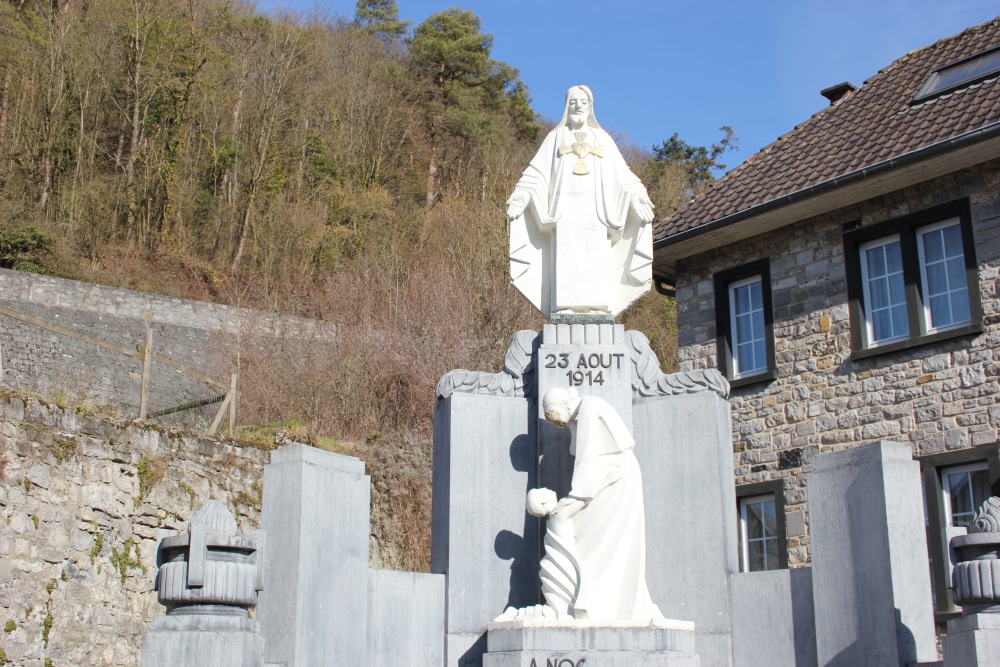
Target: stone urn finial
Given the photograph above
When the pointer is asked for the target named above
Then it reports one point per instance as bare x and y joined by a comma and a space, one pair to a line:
211, 569
976, 576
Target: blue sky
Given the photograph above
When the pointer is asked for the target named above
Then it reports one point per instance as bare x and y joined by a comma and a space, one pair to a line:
662, 66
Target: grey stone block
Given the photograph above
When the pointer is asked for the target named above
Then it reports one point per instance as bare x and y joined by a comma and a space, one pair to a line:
773, 618
683, 444
589, 645
483, 539
316, 517
405, 618
869, 552
220, 641
973, 641
465, 649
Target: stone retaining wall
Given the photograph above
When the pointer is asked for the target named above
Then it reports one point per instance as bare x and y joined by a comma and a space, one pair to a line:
81, 500
201, 335
936, 397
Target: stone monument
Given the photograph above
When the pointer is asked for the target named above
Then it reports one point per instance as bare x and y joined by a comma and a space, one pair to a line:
974, 637
208, 579
578, 409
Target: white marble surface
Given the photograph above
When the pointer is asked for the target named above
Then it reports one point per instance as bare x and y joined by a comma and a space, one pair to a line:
580, 233
594, 566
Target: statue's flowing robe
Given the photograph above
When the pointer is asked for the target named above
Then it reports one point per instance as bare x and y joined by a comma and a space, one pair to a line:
610, 531
598, 245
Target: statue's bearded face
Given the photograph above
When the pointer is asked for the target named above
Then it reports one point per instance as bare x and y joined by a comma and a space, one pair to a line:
579, 107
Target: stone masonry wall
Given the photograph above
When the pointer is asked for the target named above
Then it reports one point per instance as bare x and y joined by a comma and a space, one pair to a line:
936, 398
201, 335
81, 500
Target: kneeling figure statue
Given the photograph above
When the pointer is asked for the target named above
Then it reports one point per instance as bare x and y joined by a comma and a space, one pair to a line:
594, 567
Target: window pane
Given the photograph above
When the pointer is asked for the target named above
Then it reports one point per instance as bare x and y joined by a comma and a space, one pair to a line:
755, 526
953, 241
885, 292
961, 493
744, 358
771, 553
744, 328
960, 307
937, 279
747, 327
980, 487
897, 289
880, 294
943, 273
742, 299
933, 246
940, 311
755, 556
759, 354
876, 262
956, 272
893, 258
767, 517
882, 324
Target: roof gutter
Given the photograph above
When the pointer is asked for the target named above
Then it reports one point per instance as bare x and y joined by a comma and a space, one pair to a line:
984, 133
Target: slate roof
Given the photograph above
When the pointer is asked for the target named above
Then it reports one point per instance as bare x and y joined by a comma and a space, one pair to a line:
872, 125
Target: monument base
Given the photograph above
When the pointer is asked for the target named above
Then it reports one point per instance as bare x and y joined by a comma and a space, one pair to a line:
582, 318
973, 640
548, 643
220, 641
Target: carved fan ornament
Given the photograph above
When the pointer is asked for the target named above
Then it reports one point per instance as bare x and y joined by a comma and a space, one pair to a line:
987, 517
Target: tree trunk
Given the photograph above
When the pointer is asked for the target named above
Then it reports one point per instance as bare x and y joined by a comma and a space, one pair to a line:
3, 102
431, 175
135, 80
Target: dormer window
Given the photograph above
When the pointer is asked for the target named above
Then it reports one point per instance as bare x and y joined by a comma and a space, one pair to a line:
960, 74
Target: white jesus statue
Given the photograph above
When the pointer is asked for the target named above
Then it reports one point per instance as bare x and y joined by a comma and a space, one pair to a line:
580, 239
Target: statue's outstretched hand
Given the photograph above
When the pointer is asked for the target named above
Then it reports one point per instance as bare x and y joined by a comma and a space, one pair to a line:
517, 203
643, 207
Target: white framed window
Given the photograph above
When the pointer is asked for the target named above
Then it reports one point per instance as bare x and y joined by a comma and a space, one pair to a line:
747, 327
912, 280
964, 488
744, 323
956, 483
942, 275
885, 291
759, 534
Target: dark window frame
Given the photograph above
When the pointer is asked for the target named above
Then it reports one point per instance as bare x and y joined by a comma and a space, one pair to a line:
907, 228
931, 467
776, 488
925, 94
723, 325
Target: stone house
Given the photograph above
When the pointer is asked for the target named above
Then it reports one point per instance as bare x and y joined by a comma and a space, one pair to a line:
845, 280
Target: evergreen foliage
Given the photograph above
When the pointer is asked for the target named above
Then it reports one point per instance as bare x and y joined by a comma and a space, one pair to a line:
380, 18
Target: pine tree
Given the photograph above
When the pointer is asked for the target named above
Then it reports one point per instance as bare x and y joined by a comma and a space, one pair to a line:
380, 18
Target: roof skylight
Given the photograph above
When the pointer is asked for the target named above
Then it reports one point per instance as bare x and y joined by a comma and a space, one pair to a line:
962, 73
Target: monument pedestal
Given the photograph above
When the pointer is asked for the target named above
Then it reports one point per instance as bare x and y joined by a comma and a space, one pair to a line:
973, 639
544, 643
203, 639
